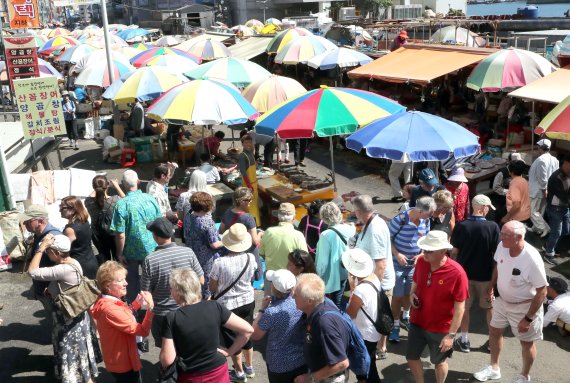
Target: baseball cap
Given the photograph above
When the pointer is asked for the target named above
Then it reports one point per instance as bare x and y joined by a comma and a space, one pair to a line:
283, 280
161, 227
544, 142
428, 176
557, 284
482, 200
287, 208
33, 211
61, 243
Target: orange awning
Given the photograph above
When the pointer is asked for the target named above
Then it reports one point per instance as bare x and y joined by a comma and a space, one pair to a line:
552, 88
420, 64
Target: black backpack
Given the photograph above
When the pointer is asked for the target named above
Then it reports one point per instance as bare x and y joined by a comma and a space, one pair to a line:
384, 320
104, 218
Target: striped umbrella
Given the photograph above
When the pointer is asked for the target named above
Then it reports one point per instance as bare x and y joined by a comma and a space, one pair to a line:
99, 41
46, 69
203, 102
56, 43
239, 72
141, 46
341, 57
132, 34
209, 50
270, 92
45, 31
166, 41
146, 84
303, 49
453, 34
254, 24
76, 53
128, 52
99, 56
242, 30
140, 59
285, 37
274, 21
40, 40
114, 28
58, 32
269, 29
173, 63
556, 124
97, 73
508, 69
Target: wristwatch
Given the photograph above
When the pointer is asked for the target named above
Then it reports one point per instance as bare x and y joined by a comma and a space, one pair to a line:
529, 320
452, 335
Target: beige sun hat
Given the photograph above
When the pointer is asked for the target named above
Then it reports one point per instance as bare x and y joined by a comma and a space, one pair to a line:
435, 240
236, 238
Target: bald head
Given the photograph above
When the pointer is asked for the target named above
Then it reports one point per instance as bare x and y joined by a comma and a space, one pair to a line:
515, 228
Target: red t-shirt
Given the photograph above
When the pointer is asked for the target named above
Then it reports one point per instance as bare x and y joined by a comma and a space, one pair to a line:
449, 284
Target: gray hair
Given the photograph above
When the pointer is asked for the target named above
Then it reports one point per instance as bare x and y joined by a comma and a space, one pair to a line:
242, 194
185, 284
443, 198
130, 179
363, 203
285, 217
426, 204
517, 228
331, 214
311, 288
197, 181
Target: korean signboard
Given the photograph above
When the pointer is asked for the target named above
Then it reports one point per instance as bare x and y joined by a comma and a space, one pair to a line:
23, 14
21, 57
72, 3
39, 104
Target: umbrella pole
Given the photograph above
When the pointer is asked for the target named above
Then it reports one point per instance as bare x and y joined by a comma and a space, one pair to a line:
332, 162
532, 134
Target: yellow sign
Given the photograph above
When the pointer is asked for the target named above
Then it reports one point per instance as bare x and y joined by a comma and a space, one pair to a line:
39, 104
23, 14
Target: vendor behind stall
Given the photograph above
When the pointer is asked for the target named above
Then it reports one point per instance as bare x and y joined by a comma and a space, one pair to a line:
399, 40
210, 144
247, 169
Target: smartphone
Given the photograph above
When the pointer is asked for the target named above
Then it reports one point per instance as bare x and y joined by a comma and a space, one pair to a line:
416, 302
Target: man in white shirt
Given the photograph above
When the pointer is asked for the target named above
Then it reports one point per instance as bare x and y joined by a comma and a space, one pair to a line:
212, 173
157, 187
558, 311
521, 280
538, 175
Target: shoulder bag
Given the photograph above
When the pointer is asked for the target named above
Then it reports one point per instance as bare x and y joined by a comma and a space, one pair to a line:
77, 299
234, 282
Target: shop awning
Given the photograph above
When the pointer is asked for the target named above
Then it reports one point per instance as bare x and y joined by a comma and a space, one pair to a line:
420, 64
552, 88
250, 47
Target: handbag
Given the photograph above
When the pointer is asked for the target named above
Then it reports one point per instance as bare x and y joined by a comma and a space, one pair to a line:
79, 298
234, 282
168, 374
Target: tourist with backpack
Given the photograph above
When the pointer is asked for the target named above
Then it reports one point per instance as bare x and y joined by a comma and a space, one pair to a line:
332, 343
363, 302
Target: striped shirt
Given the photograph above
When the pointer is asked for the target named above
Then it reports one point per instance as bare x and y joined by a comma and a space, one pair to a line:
157, 269
405, 234
225, 270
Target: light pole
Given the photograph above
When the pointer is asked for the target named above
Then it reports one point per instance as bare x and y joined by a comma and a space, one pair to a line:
264, 7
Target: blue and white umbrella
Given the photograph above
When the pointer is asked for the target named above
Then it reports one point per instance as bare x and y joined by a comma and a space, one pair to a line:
341, 57
414, 136
132, 33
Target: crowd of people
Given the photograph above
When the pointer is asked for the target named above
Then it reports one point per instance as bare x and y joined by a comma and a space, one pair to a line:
194, 295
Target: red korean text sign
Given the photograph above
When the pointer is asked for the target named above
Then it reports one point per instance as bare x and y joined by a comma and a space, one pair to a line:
39, 104
21, 57
23, 14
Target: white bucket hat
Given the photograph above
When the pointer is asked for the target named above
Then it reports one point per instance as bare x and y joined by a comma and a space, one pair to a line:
435, 240
283, 280
236, 238
357, 262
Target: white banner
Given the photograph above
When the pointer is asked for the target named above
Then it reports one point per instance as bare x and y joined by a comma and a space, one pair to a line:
71, 3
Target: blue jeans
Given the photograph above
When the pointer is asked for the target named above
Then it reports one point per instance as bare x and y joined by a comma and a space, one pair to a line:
559, 221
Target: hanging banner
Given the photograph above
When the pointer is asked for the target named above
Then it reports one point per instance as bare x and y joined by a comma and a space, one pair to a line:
72, 3
21, 57
23, 14
39, 104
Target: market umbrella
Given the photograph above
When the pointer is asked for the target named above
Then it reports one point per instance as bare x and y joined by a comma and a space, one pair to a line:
58, 32
128, 52
146, 84
556, 124
270, 92
76, 53
99, 41
45, 31
46, 69
173, 63
114, 28
254, 24
56, 43
132, 33
303, 49
508, 69
97, 57
202, 102
140, 59
269, 29
453, 34
96, 74
112, 89
326, 112
40, 40
142, 46
243, 31
239, 72
341, 57
274, 21
209, 50
414, 136
166, 41
285, 37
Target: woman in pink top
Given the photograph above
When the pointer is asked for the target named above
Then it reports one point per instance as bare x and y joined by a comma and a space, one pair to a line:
518, 199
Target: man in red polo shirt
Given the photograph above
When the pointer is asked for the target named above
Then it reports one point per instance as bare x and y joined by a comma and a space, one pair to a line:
438, 295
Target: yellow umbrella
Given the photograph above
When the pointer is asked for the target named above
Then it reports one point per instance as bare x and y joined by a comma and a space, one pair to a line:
270, 29
147, 83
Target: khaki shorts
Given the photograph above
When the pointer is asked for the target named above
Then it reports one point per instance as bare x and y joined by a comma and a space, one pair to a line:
478, 289
510, 314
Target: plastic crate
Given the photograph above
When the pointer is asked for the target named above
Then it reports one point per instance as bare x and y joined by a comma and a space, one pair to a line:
143, 148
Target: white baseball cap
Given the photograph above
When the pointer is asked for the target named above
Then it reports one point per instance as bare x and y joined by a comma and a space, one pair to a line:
283, 280
544, 142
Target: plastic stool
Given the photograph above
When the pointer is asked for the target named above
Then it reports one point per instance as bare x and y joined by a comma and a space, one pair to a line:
128, 158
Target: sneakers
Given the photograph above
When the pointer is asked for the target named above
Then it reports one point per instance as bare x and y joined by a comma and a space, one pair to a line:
462, 346
550, 260
381, 354
395, 335
234, 377
522, 379
487, 374
249, 371
405, 323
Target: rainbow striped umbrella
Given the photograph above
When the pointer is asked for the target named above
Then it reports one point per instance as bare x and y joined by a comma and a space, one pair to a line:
140, 59
203, 102
311, 113
254, 24
166, 41
58, 32
99, 56
146, 84
274, 21
239, 72
173, 63
76, 53
99, 41
141, 46
556, 124
283, 38
56, 43
128, 52
341, 57
96, 74
40, 40
209, 50
46, 69
303, 49
270, 92
508, 69
242, 30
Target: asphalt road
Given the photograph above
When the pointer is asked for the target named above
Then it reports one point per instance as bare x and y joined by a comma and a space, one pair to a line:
25, 342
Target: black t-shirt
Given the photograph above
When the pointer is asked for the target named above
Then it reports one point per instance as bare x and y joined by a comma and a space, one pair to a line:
419, 192
477, 240
195, 330
326, 339
312, 233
